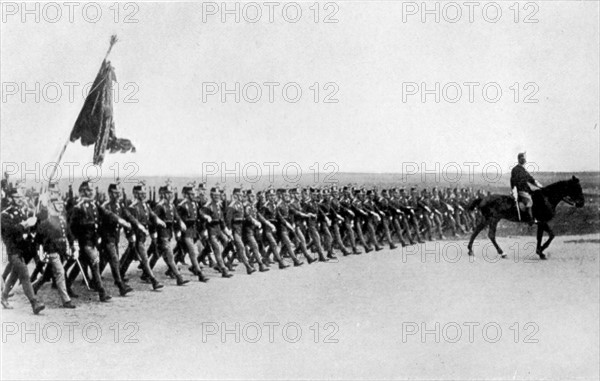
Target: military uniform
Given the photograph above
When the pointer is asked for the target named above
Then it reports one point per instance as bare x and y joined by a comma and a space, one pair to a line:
14, 235
188, 212
85, 222
168, 214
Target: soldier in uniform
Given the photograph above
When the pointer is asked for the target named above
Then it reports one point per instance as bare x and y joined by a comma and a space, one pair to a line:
235, 222
268, 210
382, 206
372, 218
520, 179
284, 226
331, 205
251, 226
297, 219
345, 206
213, 211
359, 217
15, 229
110, 234
85, 222
188, 211
54, 235
165, 210
144, 219
312, 208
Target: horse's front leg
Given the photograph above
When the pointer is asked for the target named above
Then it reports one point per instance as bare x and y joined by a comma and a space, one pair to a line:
540, 236
546, 227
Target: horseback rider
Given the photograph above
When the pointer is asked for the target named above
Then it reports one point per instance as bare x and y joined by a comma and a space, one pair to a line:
520, 179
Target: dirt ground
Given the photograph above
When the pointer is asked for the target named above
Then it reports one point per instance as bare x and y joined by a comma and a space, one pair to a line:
427, 312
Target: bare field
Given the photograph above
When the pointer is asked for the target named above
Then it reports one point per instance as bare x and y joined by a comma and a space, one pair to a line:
426, 312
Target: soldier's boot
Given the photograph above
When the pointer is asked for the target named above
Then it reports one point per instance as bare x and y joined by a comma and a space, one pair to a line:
37, 306
225, 273
249, 269
124, 289
156, 285
201, 277
355, 250
262, 268
282, 264
68, 304
330, 254
181, 281
104, 296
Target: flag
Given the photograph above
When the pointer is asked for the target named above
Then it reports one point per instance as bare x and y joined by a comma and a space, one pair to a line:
95, 124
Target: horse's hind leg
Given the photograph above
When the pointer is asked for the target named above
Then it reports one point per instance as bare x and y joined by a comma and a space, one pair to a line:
492, 236
476, 231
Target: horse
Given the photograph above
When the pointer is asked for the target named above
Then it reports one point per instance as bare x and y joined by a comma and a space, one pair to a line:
496, 207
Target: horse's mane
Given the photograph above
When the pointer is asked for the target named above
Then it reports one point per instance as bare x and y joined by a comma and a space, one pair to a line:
554, 187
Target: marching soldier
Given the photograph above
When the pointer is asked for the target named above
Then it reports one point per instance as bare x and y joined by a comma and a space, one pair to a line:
330, 206
54, 234
15, 229
284, 226
110, 234
143, 219
297, 219
251, 226
311, 207
188, 211
213, 211
85, 222
372, 218
235, 222
172, 224
269, 213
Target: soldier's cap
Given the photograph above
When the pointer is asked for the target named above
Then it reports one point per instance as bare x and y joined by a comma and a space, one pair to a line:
114, 187
521, 155
213, 190
202, 186
53, 186
250, 192
85, 185
294, 190
369, 192
384, 191
165, 189
139, 188
237, 190
187, 189
413, 189
345, 188
270, 191
281, 190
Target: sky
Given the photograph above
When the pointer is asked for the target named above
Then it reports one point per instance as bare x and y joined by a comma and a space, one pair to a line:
370, 67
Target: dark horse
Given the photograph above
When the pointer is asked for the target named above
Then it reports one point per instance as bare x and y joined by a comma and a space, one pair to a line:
496, 207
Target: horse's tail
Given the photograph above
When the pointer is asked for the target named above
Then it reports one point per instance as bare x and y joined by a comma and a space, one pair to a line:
474, 204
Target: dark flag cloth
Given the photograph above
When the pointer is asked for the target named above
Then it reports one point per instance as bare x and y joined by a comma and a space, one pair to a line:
95, 124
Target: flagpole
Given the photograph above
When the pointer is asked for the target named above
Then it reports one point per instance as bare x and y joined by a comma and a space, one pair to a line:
113, 41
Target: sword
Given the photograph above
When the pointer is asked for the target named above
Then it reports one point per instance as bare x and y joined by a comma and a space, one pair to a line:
82, 272
516, 197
